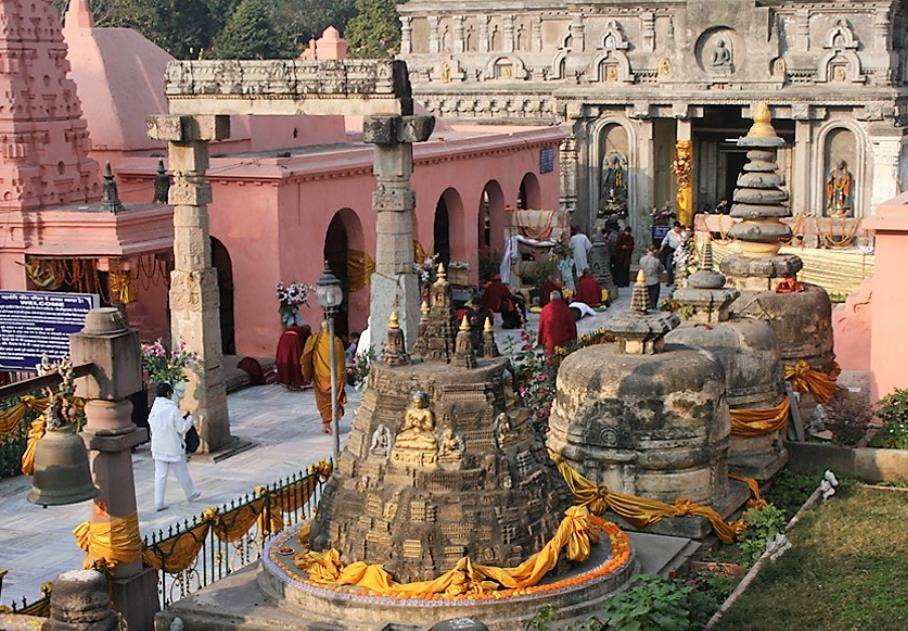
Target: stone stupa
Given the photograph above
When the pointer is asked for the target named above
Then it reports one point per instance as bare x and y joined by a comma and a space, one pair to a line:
647, 417
750, 355
441, 463
802, 319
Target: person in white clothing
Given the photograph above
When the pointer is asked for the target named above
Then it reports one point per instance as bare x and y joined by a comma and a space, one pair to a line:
168, 450
580, 246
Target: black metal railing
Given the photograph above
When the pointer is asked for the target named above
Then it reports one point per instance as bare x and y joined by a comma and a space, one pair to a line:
39, 607
211, 546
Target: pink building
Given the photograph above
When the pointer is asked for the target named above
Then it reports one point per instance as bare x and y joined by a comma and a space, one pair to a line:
292, 192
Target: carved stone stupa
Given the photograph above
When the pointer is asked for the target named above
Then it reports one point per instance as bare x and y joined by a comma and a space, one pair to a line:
802, 320
645, 417
440, 463
749, 353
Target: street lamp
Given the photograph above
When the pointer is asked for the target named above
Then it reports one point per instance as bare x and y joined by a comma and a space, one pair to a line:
330, 294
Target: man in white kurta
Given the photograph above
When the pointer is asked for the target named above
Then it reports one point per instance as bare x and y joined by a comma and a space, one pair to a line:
580, 246
168, 450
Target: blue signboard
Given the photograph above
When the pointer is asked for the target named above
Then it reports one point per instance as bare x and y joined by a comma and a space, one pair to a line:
547, 160
36, 323
659, 233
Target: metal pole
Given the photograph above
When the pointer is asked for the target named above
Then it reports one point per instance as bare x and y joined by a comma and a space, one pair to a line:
335, 422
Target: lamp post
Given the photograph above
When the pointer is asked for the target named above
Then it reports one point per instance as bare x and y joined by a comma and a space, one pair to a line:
330, 294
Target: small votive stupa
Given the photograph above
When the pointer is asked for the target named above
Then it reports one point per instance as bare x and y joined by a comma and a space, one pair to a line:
802, 316
647, 417
754, 376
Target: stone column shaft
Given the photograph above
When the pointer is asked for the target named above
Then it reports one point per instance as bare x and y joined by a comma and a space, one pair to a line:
642, 193
887, 179
801, 187
194, 298
406, 35
110, 436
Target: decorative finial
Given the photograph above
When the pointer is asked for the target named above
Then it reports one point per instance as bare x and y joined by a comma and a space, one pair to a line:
442, 275
465, 324
394, 320
762, 127
424, 308
639, 297
110, 198
488, 326
706, 262
161, 184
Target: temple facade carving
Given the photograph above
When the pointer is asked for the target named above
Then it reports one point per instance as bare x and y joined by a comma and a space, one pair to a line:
833, 74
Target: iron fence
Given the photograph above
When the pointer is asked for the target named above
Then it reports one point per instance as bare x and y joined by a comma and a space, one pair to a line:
12, 448
211, 546
39, 607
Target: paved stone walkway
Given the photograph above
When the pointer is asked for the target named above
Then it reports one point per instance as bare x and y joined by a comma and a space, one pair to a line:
37, 544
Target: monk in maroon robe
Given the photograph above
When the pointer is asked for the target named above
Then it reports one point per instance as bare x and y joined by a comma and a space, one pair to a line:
289, 350
557, 325
551, 284
495, 292
589, 290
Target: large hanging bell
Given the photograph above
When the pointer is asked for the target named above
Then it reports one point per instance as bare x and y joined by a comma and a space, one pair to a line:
62, 475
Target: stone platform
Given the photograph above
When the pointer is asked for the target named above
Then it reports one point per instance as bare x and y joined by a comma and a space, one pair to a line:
249, 599
760, 467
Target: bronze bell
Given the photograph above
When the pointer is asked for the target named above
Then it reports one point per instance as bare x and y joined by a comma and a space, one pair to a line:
62, 475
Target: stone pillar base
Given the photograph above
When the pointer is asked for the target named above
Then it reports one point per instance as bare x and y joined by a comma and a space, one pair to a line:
136, 598
384, 290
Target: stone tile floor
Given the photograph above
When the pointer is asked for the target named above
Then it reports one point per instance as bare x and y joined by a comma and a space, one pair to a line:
37, 544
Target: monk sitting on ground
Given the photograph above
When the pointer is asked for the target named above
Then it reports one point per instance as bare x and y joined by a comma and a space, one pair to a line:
495, 292
551, 284
557, 324
589, 290
316, 366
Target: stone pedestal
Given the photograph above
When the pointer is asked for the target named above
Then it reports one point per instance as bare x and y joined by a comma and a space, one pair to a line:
110, 436
394, 280
194, 297
601, 265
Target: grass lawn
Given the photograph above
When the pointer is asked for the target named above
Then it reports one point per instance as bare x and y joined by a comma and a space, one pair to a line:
847, 569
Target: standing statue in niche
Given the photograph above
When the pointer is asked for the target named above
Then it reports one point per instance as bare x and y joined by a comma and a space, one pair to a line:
722, 55
840, 190
613, 193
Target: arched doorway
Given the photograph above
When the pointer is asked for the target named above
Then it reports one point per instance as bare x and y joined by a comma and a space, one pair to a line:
529, 196
220, 260
490, 229
345, 256
441, 232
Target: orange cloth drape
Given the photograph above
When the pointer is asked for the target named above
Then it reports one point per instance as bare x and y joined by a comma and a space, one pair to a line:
750, 423
359, 270
640, 511
803, 378
575, 537
109, 542
316, 366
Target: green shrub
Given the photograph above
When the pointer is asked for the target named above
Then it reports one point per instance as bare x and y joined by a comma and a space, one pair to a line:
650, 602
763, 524
893, 411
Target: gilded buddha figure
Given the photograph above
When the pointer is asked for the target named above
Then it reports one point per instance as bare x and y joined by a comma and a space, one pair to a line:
416, 444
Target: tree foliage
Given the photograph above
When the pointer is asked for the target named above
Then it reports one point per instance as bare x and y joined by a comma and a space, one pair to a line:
250, 34
375, 31
302, 20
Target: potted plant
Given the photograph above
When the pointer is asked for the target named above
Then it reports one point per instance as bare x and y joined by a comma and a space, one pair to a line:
290, 298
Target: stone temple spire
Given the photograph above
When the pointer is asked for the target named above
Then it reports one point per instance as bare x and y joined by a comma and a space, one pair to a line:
638, 331
44, 160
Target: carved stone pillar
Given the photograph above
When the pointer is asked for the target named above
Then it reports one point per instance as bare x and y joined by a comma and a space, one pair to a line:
406, 35
887, 146
394, 279
569, 174
642, 185
484, 44
648, 30
508, 33
536, 36
684, 183
799, 188
458, 40
194, 300
434, 45
110, 436
578, 33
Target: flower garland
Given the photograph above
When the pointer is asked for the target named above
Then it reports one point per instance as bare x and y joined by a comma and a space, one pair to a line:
290, 298
164, 365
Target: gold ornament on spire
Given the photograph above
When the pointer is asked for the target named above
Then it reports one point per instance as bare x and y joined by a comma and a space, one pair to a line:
424, 308
641, 278
465, 324
639, 297
394, 320
442, 274
488, 326
762, 127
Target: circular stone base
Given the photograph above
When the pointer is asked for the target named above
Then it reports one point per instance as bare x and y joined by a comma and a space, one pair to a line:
573, 593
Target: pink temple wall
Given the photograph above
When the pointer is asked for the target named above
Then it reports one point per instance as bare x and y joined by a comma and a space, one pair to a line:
888, 340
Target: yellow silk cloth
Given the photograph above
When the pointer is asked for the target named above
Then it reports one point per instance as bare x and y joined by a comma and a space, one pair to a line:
575, 537
107, 543
759, 422
803, 378
316, 365
292, 498
119, 284
640, 511
35, 433
359, 270
757, 500
13, 415
176, 554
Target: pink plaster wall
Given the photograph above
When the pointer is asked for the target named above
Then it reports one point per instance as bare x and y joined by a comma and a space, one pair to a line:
889, 342
851, 326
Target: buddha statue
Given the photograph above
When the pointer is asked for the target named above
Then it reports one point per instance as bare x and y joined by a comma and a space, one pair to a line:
451, 449
416, 444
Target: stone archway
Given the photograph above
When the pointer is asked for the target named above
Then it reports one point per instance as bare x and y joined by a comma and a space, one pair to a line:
529, 196
448, 230
220, 260
490, 224
343, 250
